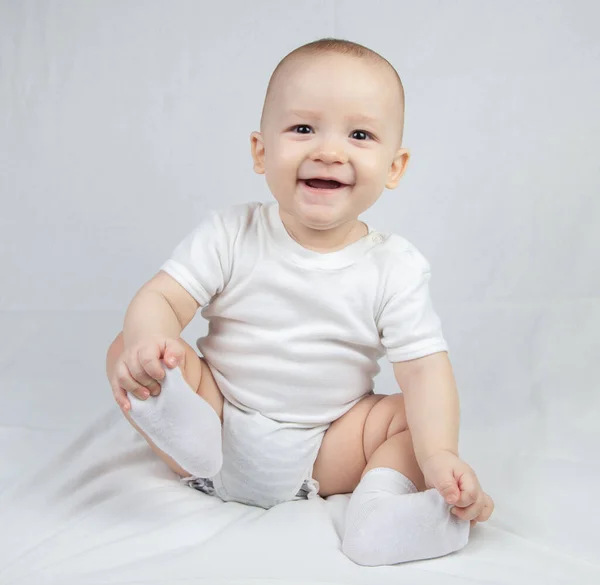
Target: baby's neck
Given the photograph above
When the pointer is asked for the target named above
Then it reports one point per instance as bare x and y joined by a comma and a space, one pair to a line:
324, 241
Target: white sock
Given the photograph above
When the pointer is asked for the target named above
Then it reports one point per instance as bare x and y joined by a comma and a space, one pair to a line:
388, 521
182, 424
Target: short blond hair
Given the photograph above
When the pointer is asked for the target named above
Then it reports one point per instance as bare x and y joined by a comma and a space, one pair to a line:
330, 45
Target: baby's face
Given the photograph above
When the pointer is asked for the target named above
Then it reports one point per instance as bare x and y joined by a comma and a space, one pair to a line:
337, 117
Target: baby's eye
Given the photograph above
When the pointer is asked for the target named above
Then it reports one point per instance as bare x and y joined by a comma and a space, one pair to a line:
362, 133
301, 126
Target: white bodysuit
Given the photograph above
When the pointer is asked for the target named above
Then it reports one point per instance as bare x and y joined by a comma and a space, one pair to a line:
295, 337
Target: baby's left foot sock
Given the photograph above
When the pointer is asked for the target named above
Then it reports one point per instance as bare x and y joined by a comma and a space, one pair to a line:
388, 521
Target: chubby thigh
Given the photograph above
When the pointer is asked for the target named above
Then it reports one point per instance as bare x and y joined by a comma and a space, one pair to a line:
373, 433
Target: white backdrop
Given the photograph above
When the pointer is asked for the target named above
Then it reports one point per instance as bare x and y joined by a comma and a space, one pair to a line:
121, 122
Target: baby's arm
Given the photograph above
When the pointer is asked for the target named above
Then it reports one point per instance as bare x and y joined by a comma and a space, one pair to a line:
432, 406
162, 307
153, 324
432, 413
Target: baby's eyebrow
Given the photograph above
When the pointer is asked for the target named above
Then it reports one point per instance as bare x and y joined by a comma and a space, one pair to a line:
365, 119
356, 118
303, 114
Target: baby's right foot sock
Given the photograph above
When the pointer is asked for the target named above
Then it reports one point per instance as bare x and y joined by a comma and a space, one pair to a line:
182, 424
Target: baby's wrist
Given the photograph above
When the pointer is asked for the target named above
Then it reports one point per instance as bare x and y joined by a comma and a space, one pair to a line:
438, 455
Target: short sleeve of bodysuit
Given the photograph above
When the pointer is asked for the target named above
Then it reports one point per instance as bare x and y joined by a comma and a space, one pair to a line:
201, 262
408, 325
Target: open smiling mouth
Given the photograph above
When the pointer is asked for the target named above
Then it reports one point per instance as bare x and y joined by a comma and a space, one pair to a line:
322, 184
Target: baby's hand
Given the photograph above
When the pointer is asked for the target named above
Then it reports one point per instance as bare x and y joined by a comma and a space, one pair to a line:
458, 485
139, 370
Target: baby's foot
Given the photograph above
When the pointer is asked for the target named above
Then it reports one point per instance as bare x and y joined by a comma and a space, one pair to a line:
388, 521
182, 424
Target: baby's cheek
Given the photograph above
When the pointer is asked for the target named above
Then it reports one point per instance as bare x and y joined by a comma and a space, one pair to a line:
280, 165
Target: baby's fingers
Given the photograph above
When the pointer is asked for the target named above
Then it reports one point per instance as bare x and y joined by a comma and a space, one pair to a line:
120, 396
472, 512
149, 359
127, 382
141, 377
173, 353
469, 490
488, 508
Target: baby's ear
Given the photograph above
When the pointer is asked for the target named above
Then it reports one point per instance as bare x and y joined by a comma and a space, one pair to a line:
397, 168
257, 147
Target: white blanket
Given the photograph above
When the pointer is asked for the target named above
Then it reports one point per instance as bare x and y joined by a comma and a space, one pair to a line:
105, 510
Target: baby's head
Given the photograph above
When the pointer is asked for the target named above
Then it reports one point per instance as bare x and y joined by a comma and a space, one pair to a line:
333, 110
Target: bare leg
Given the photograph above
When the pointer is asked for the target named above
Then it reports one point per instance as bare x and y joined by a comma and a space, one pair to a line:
196, 373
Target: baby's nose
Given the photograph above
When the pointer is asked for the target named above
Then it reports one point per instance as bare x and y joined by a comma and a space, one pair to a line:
329, 154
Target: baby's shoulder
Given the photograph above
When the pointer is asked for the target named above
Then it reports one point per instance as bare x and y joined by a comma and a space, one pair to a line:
234, 220
396, 253
238, 212
401, 266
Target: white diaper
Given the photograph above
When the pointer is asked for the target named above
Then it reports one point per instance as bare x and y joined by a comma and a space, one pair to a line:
265, 462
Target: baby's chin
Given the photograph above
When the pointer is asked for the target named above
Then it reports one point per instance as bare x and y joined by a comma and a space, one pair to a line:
321, 217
